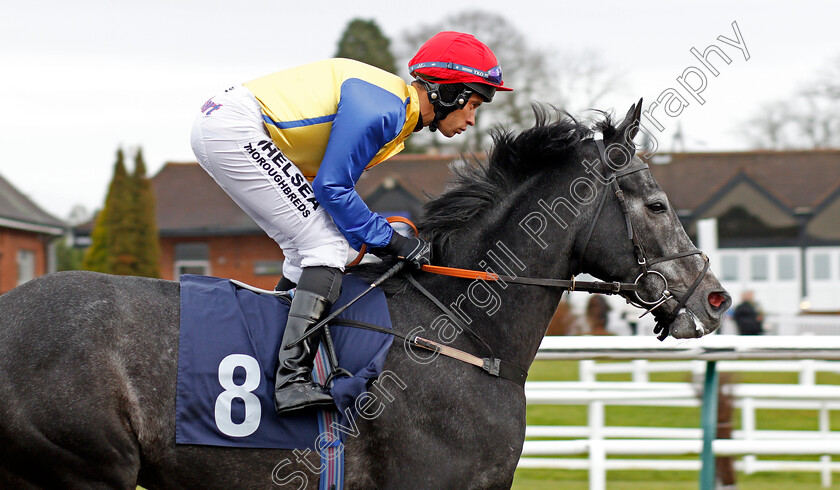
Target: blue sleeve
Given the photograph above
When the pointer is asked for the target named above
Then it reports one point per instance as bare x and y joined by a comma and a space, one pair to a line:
368, 117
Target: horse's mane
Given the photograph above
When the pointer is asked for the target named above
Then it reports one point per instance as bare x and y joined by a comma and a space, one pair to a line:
479, 186
515, 157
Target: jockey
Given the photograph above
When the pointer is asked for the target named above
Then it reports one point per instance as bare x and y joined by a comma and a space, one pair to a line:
289, 147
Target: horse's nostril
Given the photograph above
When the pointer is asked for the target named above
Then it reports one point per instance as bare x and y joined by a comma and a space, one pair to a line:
716, 299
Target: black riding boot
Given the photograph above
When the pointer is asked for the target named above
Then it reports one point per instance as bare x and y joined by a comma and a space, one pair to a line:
293, 385
284, 284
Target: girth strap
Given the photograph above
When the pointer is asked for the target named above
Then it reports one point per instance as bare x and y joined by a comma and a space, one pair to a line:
491, 365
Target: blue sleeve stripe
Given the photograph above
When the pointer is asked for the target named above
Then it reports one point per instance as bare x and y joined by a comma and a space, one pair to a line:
300, 122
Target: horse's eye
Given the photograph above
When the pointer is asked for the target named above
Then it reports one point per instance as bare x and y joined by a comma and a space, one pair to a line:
657, 207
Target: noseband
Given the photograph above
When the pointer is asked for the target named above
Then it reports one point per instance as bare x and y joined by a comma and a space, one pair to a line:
611, 177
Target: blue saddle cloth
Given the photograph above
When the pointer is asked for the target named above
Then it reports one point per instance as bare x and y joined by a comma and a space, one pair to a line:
227, 359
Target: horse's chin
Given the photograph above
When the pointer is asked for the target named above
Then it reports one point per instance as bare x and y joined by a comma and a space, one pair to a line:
688, 326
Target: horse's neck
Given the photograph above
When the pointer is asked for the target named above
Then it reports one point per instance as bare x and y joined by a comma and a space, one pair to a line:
511, 317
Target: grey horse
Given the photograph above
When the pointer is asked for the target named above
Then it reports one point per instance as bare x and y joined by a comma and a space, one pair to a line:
88, 364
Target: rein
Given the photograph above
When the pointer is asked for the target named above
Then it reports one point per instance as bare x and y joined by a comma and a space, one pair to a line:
570, 284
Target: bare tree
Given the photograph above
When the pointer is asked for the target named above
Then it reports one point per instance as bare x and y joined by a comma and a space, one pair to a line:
767, 128
582, 80
819, 116
827, 82
571, 81
809, 119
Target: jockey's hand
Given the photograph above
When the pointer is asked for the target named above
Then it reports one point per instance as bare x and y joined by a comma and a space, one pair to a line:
415, 250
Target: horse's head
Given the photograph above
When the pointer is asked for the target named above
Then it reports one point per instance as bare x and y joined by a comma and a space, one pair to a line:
620, 225
635, 236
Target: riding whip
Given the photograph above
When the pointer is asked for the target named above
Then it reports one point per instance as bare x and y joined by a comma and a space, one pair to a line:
384, 277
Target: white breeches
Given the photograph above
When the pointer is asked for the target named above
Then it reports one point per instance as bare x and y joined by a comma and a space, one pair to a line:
232, 145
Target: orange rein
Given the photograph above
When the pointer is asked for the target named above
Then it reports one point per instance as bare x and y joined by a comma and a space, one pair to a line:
433, 269
391, 219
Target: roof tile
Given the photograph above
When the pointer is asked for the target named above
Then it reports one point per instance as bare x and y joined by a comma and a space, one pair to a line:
16, 206
189, 199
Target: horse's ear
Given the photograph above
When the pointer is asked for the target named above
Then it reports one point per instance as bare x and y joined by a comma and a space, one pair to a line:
630, 126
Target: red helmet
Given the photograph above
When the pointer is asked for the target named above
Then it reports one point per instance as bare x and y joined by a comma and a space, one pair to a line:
456, 57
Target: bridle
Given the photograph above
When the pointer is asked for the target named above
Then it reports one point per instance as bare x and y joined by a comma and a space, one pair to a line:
611, 177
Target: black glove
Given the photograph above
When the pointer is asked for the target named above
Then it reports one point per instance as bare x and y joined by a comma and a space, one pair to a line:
415, 250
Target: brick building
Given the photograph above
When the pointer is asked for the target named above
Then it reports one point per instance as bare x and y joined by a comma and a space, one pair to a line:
26, 236
778, 215
778, 218
202, 231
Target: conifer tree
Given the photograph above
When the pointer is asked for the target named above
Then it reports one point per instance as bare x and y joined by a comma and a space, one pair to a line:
124, 238
120, 222
363, 41
147, 246
96, 257
100, 257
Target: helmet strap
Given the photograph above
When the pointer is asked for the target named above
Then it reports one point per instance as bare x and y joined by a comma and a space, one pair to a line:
442, 108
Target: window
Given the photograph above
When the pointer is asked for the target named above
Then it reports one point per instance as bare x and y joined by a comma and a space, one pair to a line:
729, 267
25, 266
822, 266
758, 267
192, 251
786, 265
191, 267
192, 258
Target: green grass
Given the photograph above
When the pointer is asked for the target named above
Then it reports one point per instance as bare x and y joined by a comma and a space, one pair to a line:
534, 479
671, 480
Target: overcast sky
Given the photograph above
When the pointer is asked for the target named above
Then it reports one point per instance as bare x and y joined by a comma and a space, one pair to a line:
81, 78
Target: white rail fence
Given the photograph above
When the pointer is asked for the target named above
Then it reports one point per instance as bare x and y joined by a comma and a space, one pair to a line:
805, 356
803, 324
